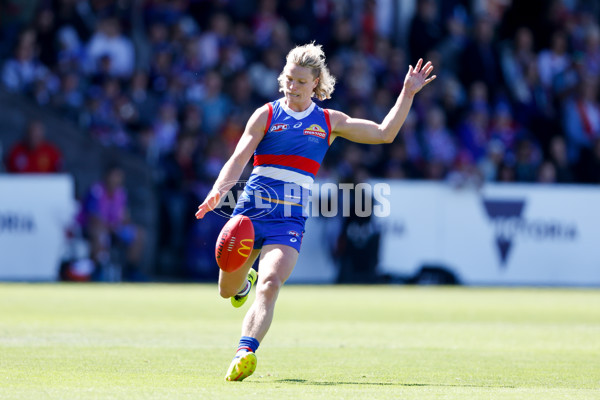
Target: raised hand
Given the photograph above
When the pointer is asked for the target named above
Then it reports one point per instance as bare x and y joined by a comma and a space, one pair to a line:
209, 204
417, 78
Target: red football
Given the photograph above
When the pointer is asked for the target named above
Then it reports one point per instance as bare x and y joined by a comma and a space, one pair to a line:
235, 243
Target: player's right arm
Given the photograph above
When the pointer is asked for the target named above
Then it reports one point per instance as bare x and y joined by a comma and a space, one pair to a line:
231, 171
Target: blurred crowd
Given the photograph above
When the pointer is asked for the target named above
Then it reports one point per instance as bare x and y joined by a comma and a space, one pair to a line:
174, 82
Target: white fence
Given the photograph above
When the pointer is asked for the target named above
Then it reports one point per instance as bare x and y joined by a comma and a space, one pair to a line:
34, 212
498, 235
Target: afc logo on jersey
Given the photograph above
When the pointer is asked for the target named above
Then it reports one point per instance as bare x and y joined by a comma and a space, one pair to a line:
279, 127
316, 130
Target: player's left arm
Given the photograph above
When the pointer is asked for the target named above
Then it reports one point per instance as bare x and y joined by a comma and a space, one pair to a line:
365, 131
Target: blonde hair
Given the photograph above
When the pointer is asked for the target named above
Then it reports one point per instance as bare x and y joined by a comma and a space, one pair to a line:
311, 56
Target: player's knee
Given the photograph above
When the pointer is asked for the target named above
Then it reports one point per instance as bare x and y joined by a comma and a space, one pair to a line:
270, 287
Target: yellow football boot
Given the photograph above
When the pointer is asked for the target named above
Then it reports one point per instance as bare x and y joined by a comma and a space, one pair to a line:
242, 366
239, 299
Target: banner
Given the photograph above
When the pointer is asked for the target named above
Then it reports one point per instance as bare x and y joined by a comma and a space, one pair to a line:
35, 210
496, 235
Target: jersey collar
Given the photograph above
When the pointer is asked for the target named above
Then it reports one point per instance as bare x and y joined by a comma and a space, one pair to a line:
296, 114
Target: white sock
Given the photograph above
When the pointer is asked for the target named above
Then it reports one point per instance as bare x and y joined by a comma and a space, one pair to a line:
245, 290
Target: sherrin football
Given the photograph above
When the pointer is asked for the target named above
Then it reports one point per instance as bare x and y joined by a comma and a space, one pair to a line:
235, 243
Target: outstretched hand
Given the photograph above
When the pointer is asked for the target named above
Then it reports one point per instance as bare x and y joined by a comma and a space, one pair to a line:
417, 77
209, 204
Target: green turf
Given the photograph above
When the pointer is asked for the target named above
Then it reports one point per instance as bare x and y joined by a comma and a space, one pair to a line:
391, 342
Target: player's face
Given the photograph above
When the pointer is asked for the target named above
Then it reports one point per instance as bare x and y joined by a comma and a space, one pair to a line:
299, 86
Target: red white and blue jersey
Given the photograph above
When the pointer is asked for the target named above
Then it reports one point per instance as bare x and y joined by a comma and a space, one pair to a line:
287, 159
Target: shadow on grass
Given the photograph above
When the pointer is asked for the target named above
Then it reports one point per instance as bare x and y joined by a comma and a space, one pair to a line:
326, 383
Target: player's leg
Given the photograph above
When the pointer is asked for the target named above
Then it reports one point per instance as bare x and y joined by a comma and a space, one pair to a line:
230, 283
276, 264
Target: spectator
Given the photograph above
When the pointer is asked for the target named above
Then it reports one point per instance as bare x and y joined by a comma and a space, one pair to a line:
264, 22
536, 109
108, 41
359, 80
70, 53
215, 105
243, 99
465, 173
191, 69
473, 132
589, 165
78, 16
45, 30
490, 165
516, 56
105, 123
504, 129
591, 51
394, 79
180, 175
546, 173
454, 42
527, 161
145, 146
20, 72
382, 101
106, 223
398, 165
143, 99
166, 127
299, 16
192, 121
425, 29
33, 154
161, 70
439, 143
453, 102
413, 141
582, 118
480, 60
212, 42
553, 61
263, 75
506, 173
359, 240
70, 100
559, 158
158, 37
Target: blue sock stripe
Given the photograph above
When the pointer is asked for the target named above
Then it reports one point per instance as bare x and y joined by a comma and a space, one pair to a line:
249, 342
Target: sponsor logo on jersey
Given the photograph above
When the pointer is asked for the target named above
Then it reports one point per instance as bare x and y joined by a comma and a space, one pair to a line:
279, 127
294, 233
315, 130
298, 125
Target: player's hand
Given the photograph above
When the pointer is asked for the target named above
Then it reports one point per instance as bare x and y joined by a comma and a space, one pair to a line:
418, 77
209, 204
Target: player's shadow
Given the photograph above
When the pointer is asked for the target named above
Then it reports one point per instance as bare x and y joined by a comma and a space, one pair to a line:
326, 383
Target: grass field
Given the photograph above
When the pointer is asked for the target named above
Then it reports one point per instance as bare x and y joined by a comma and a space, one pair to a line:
390, 342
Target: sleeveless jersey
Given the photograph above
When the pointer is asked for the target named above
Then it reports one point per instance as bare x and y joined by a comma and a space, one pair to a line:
287, 159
